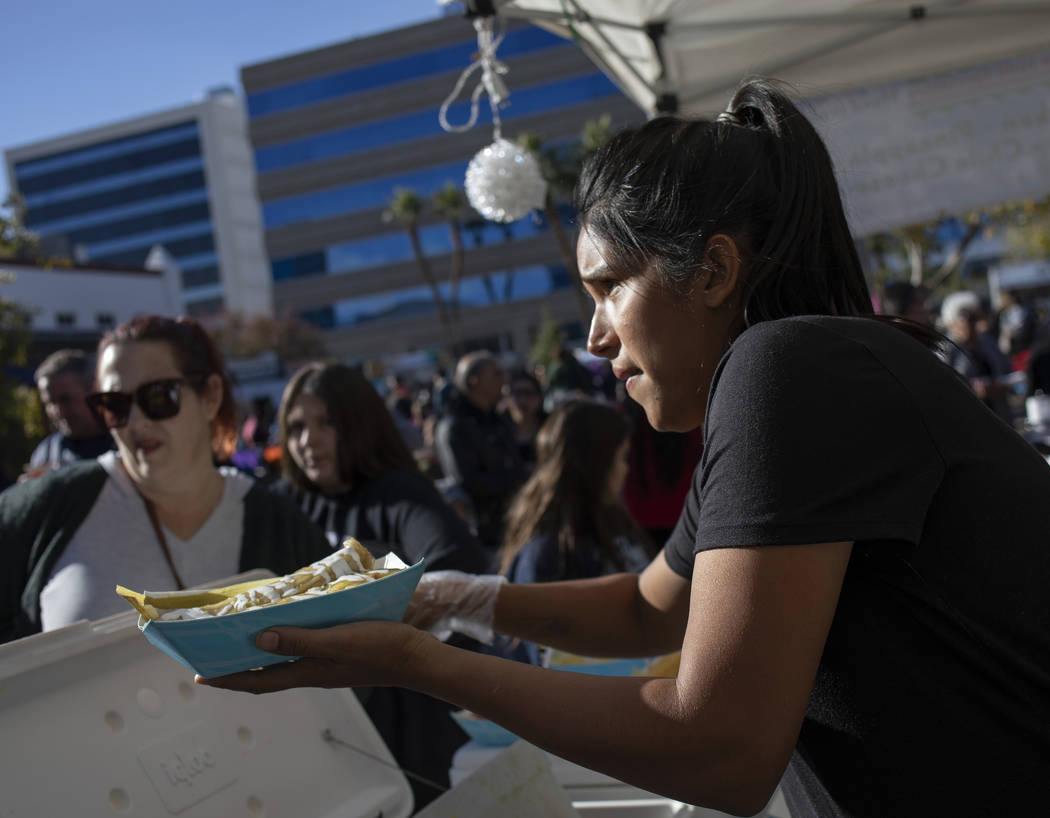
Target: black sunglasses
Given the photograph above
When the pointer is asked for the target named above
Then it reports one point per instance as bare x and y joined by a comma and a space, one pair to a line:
158, 400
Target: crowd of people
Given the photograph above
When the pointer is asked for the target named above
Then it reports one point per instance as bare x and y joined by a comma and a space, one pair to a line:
154, 478
846, 546
1001, 347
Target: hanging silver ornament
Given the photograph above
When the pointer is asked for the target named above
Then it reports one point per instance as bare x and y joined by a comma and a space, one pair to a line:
504, 182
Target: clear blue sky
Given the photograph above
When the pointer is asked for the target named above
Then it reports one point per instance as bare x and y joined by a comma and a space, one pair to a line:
74, 64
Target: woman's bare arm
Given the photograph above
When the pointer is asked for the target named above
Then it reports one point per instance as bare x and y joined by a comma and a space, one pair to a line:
719, 735
619, 615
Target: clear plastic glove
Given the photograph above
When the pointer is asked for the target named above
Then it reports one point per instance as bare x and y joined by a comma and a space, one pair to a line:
447, 601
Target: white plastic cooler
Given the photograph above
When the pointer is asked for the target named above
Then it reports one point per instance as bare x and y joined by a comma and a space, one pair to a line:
595, 795
95, 721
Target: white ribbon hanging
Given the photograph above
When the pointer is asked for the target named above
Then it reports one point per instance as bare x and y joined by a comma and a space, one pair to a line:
491, 81
503, 181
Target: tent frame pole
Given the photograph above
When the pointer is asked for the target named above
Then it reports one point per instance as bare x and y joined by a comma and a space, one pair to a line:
913, 13
580, 16
878, 23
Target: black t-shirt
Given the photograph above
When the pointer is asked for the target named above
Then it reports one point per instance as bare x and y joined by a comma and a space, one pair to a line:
57, 450
933, 692
402, 512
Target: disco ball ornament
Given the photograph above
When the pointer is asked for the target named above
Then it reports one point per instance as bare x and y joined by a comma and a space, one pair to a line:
504, 182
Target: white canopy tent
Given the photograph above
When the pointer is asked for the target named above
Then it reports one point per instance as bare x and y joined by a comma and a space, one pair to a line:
928, 109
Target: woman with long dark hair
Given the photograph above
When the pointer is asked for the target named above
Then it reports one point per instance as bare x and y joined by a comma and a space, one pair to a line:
157, 513
568, 521
858, 580
349, 467
344, 458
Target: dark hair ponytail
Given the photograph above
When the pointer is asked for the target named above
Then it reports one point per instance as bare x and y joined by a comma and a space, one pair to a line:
759, 173
805, 261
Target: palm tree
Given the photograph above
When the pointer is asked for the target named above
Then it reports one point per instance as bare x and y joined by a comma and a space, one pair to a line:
560, 166
476, 228
450, 203
405, 209
596, 132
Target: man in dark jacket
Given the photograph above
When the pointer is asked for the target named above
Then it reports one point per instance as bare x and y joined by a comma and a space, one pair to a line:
476, 446
64, 381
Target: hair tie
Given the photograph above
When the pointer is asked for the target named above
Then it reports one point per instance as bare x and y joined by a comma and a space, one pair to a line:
728, 117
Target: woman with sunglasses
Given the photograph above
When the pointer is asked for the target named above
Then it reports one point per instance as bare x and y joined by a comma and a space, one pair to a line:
155, 514
858, 581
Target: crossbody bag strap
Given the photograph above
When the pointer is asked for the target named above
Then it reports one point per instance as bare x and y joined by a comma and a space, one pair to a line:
159, 531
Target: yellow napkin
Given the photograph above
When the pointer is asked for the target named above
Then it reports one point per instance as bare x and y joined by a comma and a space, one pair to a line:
152, 603
353, 556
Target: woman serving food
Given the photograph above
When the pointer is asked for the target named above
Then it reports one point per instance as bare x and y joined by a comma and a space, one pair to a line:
857, 581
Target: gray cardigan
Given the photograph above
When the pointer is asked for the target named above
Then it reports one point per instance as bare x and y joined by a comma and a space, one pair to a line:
38, 518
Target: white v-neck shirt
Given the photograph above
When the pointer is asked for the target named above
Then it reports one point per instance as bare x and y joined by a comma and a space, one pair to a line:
116, 545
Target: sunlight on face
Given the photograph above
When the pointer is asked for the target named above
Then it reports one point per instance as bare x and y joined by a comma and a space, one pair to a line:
164, 453
664, 346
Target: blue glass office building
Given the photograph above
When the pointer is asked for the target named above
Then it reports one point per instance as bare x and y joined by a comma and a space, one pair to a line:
336, 131
182, 179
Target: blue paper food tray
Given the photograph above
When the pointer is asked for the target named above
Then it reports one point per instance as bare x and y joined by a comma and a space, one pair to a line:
484, 732
489, 734
607, 667
226, 644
